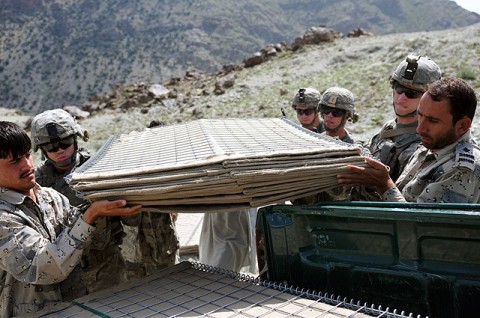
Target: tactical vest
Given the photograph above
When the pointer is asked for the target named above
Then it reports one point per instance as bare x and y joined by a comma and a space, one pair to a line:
389, 144
48, 176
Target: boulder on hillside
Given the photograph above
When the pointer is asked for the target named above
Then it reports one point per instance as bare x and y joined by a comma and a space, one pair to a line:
256, 59
358, 32
76, 112
316, 35
158, 90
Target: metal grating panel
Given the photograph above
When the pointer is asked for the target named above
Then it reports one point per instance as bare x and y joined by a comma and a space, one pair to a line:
196, 290
215, 164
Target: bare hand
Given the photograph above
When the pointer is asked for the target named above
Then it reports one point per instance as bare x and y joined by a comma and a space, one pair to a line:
374, 176
109, 208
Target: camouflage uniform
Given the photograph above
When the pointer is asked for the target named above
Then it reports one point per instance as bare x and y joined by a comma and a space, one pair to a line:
40, 245
449, 175
102, 263
151, 245
395, 143
340, 98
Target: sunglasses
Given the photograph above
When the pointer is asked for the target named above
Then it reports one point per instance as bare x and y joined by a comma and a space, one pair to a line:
62, 144
307, 111
335, 111
409, 93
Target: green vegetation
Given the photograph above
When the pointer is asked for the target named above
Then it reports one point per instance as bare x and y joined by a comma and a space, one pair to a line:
466, 74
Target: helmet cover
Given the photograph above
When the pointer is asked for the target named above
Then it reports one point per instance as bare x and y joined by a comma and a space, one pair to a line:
53, 125
306, 97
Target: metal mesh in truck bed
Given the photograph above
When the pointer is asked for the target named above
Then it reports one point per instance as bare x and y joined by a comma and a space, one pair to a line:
196, 290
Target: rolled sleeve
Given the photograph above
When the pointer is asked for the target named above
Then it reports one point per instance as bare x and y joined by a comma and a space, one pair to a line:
393, 195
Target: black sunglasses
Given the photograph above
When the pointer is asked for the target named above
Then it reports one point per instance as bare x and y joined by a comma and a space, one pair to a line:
409, 93
307, 111
63, 144
335, 111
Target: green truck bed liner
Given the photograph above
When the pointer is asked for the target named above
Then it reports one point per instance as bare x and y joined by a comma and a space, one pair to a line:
418, 258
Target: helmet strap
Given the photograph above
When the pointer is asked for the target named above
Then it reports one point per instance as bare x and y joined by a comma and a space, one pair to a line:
409, 115
67, 164
314, 118
342, 124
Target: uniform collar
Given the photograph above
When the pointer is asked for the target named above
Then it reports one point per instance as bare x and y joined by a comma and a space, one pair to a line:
13, 197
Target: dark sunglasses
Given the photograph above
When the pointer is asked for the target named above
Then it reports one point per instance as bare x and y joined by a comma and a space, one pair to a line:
335, 111
409, 93
307, 111
63, 144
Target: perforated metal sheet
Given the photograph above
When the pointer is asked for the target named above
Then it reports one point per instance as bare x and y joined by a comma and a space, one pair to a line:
197, 290
215, 165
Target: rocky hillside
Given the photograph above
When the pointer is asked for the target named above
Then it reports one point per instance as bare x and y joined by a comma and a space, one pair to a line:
362, 64
60, 52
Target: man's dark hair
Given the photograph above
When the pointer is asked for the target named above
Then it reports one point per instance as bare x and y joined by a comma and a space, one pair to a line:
459, 93
14, 140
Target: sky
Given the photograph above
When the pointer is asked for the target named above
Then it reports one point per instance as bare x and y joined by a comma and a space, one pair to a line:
470, 5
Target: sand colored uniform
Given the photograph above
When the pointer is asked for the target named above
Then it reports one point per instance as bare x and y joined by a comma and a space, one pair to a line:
102, 263
40, 246
449, 175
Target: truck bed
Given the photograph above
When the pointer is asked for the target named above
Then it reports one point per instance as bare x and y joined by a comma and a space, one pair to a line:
418, 258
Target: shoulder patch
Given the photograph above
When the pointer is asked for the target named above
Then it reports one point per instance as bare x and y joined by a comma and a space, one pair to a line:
464, 156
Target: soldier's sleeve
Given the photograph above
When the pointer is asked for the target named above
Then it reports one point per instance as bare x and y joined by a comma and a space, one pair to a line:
393, 195
459, 185
41, 256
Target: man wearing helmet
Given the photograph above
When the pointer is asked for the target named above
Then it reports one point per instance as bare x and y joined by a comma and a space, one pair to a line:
445, 168
55, 133
398, 139
305, 103
336, 107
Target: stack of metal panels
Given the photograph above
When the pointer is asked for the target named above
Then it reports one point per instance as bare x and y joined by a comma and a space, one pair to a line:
215, 165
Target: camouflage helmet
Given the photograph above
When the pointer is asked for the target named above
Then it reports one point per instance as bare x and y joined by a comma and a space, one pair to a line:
341, 98
306, 97
52, 125
416, 72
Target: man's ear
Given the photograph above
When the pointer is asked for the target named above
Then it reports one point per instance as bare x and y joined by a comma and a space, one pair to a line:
462, 126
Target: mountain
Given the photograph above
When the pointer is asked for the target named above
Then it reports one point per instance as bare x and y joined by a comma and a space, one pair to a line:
361, 64
61, 52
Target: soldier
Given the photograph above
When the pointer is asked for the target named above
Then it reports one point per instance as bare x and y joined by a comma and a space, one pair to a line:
42, 237
397, 139
305, 103
55, 133
154, 243
337, 105
446, 167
